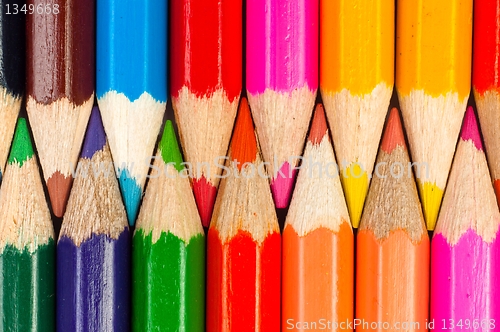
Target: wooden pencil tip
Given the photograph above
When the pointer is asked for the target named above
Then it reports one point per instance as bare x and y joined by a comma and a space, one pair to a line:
59, 187
22, 148
470, 130
204, 194
95, 137
318, 126
393, 135
169, 148
244, 143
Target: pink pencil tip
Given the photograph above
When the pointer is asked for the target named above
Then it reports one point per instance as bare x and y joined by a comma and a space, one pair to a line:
470, 130
204, 194
282, 185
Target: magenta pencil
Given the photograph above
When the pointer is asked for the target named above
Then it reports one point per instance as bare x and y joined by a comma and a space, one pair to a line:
465, 256
281, 80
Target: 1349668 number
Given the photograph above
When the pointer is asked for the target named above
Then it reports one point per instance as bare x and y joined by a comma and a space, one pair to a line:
31, 9
468, 324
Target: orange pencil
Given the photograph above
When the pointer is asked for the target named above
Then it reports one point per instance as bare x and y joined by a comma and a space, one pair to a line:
392, 284
318, 242
433, 81
244, 242
356, 81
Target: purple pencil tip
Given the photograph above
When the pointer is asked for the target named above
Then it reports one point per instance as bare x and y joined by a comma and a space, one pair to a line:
95, 138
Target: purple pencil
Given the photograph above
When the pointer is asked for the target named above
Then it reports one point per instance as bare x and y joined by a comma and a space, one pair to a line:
465, 259
93, 252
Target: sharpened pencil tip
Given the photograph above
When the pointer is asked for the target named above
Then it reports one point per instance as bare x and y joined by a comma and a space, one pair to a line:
243, 144
22, 148
169, 148
282, 185
470, 129
431, 197
393, 135
132, 194
355, 183
318, 126
95, 138
204, 194
59, 188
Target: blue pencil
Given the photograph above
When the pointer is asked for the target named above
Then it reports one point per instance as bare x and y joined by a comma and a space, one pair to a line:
93, 251
132, 86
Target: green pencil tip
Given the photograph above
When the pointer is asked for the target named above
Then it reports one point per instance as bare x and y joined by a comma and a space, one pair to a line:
169, 148
21, 149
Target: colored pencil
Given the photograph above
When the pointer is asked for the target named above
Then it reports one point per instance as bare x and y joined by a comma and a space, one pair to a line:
281, 81
12, 72
486, 82
392, 245
93, 250
206, 73
244, 242
60, 88
132, 87
27, 247
356, 81
318, 242
465, 247
433, 72
168, 249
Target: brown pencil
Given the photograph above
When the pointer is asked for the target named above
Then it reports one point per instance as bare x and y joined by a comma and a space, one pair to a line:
60, 87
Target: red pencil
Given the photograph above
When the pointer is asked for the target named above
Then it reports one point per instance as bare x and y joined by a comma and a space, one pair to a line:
206, 68
244, 243
486, 81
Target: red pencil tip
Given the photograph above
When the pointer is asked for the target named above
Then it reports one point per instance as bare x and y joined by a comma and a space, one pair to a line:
393, 135
59, 188
244, 143
204, 193
318, 126
470, 130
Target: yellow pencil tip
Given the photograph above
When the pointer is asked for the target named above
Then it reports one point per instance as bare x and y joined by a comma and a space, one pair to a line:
431, 196
355, 184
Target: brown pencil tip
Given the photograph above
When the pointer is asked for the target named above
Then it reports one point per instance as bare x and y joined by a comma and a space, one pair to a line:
393, 135
244, 143
59, 187
318, 126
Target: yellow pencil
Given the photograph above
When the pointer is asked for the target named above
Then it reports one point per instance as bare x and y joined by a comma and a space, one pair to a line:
356, 81
433, 71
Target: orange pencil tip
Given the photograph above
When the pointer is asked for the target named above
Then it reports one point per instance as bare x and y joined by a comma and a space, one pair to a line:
393, 135
318, 126
59, 188
244, 143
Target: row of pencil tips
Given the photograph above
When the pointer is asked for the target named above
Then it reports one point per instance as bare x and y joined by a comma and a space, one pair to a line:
246, 273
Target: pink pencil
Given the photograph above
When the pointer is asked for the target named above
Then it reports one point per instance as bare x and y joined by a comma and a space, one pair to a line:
281, 80
465, 255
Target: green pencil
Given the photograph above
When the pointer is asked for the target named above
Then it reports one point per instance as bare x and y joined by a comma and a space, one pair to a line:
168, 249
27, 249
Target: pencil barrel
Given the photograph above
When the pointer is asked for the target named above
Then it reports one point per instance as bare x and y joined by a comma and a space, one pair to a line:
168, 283
243, 286
318, 271
93, 284
392, 282
464, 288
27, 289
